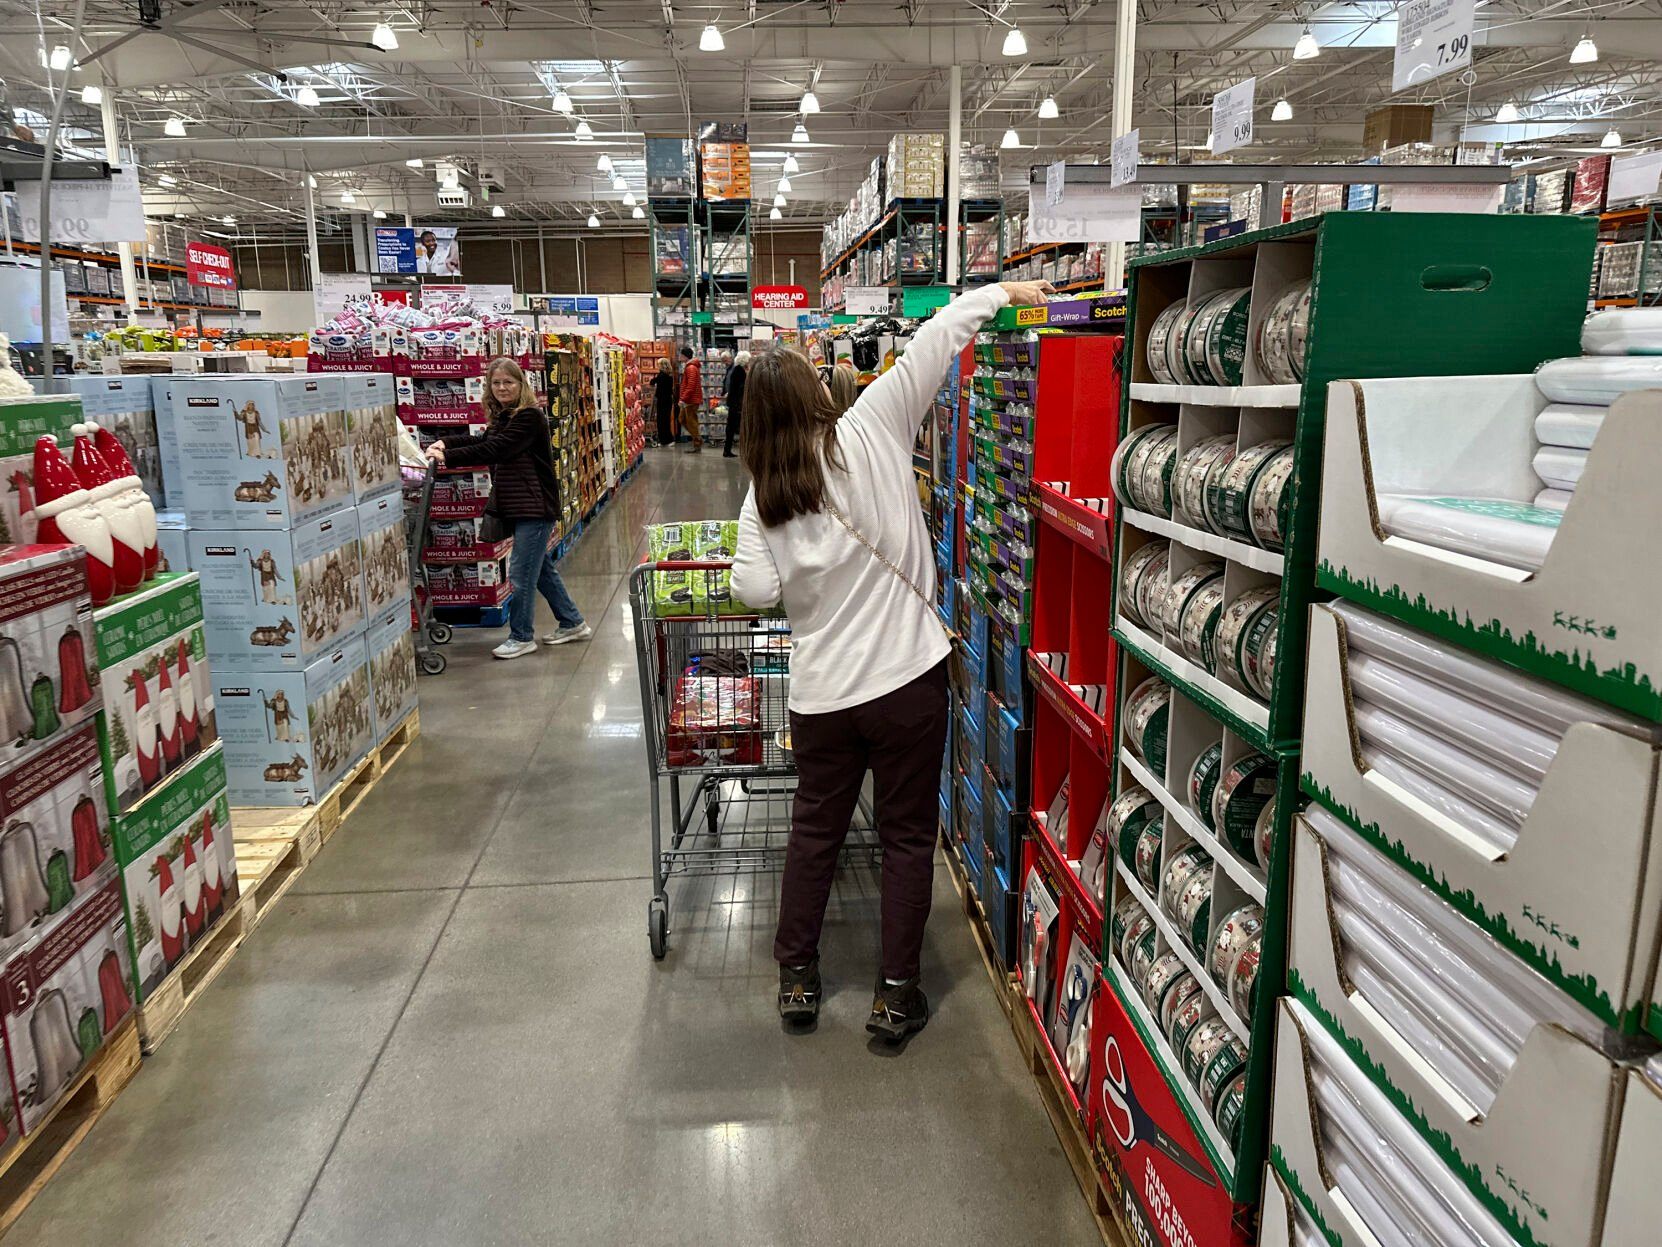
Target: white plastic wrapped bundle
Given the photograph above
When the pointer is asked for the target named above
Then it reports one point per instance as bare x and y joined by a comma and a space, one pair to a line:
1504, 796
1560, 467
1623, 331
1498, 835
1569, 424
1597, 379
1557, 499
1515, 534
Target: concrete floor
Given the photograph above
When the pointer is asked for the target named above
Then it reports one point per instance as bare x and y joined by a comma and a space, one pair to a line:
451, 1030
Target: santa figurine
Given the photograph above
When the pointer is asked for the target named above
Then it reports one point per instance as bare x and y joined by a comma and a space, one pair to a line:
146, 742
188, 724
167, 717
98, 478
213, 879
172, 916
195, 911
115, 454
64, 512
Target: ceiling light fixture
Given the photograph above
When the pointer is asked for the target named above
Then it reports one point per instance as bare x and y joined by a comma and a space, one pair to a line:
775, 215
347, 197
1282, 111
1507, 112
800, 134
380, 214
306, 98
1612, 138
790, 163
60, 58
778, 201
604, 164
384, 37
1586, 52
594, 221
618, 184
1011, 140
562, 102
175, 128
498, 210
92, 94
584, 133
639, 213
311, 182
1306, 49
1048, 110
710, 40
1015, 43
628, 199
810, 103
414, 162
167, 180
784, 185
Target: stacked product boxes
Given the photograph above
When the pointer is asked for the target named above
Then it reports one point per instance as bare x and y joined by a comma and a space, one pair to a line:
724, 170
291, 491
916, 167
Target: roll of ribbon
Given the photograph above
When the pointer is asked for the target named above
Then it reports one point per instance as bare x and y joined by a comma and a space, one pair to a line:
1560, 467
1569, 424
1505, 796
1596, 379
1498, 529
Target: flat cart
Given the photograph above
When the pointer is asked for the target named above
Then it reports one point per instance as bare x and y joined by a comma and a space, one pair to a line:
417, 480
714, 691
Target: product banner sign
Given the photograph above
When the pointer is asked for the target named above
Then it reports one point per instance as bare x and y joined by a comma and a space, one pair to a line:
563, 310
1089, 212
1123, 157
779, 298
207, 265
429, 249
1434, 37
1232, 116
86, 210
395, 250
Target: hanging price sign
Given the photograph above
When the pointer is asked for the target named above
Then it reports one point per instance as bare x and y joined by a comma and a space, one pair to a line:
1232, 116
1122, 158
1434, 37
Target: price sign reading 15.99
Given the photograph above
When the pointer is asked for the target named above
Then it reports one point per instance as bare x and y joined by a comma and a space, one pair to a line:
1433, 37
1232, 116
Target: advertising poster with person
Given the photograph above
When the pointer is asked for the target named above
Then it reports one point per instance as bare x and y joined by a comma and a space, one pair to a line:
428, 250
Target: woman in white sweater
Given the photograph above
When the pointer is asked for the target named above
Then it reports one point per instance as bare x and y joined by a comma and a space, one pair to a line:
831, 527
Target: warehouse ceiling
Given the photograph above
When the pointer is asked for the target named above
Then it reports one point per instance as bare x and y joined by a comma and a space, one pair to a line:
476, 84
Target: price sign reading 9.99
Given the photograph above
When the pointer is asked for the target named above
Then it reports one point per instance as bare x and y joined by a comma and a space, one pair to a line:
1232, 116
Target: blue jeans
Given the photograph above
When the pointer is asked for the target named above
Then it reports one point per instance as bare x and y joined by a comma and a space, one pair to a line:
531, 565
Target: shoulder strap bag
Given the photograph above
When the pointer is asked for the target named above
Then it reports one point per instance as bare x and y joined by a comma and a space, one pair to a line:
955, 668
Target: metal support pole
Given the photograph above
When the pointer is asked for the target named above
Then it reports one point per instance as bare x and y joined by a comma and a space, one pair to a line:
542, 259
311, 242
1125, 69
954, 165
112, 153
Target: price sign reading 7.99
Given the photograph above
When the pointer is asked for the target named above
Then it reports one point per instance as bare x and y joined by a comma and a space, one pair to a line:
1434, 37
1232, 116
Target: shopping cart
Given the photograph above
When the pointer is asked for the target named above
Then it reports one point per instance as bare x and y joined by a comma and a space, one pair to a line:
714, 690
417, 479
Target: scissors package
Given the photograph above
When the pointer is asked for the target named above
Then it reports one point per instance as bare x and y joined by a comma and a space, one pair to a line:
1041, 912
1070, 1021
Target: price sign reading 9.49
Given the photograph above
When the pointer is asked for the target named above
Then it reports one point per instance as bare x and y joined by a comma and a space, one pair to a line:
1433, 38
1232, 116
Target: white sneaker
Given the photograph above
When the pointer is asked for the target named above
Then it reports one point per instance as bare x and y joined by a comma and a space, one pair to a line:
581, 632
514, 649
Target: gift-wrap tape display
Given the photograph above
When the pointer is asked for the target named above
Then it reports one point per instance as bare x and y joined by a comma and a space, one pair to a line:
1147, 712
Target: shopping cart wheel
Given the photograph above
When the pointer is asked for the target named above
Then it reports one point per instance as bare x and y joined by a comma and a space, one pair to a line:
657, 926
712, 812
439, 633
434, 664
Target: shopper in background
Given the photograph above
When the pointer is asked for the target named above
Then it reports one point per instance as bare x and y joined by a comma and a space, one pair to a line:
692, 397
663, 401
525, 496
735, 400
844, 386
831, 527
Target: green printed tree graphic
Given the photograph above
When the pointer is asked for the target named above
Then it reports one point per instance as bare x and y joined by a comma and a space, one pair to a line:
143, 930
119, 744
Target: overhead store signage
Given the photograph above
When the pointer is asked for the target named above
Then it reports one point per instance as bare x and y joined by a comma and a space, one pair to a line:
332, 292
1635, 177
779, 298
1123, 158
1232, 116
207, 265
563, 310
86, 210
1434, 37
1478, 199
428, 249
866, 300
1089, 212
1056, 178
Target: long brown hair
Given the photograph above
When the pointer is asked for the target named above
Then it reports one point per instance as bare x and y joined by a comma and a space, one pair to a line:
790, 428
527, 396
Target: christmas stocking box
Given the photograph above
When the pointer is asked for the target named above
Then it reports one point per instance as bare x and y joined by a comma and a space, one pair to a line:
48, 673
386, 555
158, 712
260, 452
392, 668
290, 735
61, 997
280, 600
372, 429
178, 869
22, 422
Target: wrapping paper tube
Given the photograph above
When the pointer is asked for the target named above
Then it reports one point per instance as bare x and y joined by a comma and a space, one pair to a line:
1560, 467
1597, 379
1511, 533
1547, 706
1569, 424
1623, 331
1555, 498
1499, 836
1368, 1195
1503, 795
1508, 743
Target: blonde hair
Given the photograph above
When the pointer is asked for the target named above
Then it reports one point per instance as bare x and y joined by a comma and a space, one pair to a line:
527, 396
844, 386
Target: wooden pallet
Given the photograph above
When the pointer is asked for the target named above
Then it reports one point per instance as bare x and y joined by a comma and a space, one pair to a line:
28, 1168
976, 915
158, 1015
273, 847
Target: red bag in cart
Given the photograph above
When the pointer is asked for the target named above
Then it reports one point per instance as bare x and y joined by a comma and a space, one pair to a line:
714, 720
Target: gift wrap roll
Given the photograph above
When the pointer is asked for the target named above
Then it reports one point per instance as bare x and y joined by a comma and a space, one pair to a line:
1498, 835
1623, 331
1497, 529
1558, 499
1569, 424
1560, 467
1503, 795
1597, 379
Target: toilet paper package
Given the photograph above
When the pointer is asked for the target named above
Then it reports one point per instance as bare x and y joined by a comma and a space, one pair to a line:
49, 676
277, 600
62, 997
178, 869
158, 709
290, 735
54, 837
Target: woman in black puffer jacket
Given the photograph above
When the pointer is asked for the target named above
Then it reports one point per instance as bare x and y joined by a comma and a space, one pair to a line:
525, 496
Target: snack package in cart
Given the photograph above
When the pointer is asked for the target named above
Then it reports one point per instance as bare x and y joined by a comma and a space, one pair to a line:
715, 720
700, 592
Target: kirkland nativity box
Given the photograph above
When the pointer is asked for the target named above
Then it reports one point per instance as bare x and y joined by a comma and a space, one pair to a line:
290, 735
62, 997
278, 600
386, 555
372, 429
390, 650
261, 452
158, 711
126, 407
178, 869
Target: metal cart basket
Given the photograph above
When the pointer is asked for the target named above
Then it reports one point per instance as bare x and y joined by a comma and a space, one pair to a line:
714, 690
417, 481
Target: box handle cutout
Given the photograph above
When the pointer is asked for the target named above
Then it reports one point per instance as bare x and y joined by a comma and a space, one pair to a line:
1472, 277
